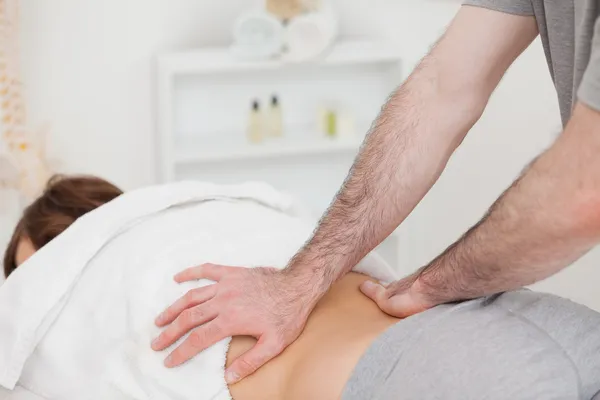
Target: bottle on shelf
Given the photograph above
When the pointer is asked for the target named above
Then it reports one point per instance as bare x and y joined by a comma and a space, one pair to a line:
274, 118
255, 126
327, 121
331, 123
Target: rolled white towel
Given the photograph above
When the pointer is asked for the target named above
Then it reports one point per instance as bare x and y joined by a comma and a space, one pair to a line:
310, 35
257, 35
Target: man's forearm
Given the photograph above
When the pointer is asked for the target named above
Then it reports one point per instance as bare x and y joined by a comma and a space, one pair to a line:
546, 220
409, 145
412, 139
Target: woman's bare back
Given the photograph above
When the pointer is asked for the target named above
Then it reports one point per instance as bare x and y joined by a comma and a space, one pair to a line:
319, 363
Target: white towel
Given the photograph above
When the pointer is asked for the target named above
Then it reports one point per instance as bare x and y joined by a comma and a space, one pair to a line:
76, 319
310, 35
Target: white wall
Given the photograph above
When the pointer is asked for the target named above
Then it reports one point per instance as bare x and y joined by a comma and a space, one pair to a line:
88, 70
88, 66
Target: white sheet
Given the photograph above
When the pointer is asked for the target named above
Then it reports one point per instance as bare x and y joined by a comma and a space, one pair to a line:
76, 320
18, 393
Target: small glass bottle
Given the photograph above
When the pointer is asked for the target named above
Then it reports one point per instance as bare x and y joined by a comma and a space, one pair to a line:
255, 128
327, 121
331, 123
275, 119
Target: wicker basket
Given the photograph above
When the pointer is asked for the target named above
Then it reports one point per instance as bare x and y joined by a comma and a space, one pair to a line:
285, 9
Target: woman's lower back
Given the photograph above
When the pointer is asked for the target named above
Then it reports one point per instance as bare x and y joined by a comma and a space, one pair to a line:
318, 365
517, 345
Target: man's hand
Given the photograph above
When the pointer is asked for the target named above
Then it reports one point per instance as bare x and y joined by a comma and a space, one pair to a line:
261, 302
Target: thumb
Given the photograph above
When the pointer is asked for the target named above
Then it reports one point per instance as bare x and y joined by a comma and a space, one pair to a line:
250, 361
392, 300
374, 291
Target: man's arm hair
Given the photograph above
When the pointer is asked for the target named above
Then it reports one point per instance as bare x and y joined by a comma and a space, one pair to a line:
547, 219
410, 142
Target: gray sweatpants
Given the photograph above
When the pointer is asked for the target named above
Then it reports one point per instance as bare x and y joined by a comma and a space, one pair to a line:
517, 345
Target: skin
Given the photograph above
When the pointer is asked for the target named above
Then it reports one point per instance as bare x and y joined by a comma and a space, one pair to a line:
548, 218
25, 250
317, 365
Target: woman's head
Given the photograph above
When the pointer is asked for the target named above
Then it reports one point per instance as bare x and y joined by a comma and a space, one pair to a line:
64, 200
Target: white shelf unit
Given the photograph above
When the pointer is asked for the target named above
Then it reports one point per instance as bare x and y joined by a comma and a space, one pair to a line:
190, 152
204, 99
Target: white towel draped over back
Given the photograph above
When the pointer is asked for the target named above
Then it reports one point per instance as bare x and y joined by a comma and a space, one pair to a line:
76, 320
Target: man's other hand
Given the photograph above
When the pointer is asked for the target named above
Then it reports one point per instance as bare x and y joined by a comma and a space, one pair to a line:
399, 299
261, 302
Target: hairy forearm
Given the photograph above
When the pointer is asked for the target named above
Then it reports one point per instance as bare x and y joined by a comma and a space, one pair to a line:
412, 139
403, 155
546, 220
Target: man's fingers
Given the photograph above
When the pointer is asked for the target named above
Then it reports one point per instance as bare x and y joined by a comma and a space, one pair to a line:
200, 339
214, 272
191, 299
185, 322
253, 359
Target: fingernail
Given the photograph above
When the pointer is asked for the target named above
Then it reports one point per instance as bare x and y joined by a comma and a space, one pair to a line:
231, 377
169, 361
160, 318
155, 342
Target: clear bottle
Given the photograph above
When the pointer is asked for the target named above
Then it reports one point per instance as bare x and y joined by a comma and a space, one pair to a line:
255, 126
275, 119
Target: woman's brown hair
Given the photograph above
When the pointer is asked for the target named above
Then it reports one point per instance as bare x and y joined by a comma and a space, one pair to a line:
64, 200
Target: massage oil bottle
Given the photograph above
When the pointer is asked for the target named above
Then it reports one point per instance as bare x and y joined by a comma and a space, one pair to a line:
255, 126
274, 118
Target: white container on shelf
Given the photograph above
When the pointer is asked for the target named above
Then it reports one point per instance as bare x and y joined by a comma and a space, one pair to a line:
257, 35
311, 35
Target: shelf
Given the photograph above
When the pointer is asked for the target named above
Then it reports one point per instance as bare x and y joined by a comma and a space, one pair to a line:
188, 151
220, 60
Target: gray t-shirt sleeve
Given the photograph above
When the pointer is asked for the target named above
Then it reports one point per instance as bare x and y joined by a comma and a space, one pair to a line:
589, 88
517, 7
